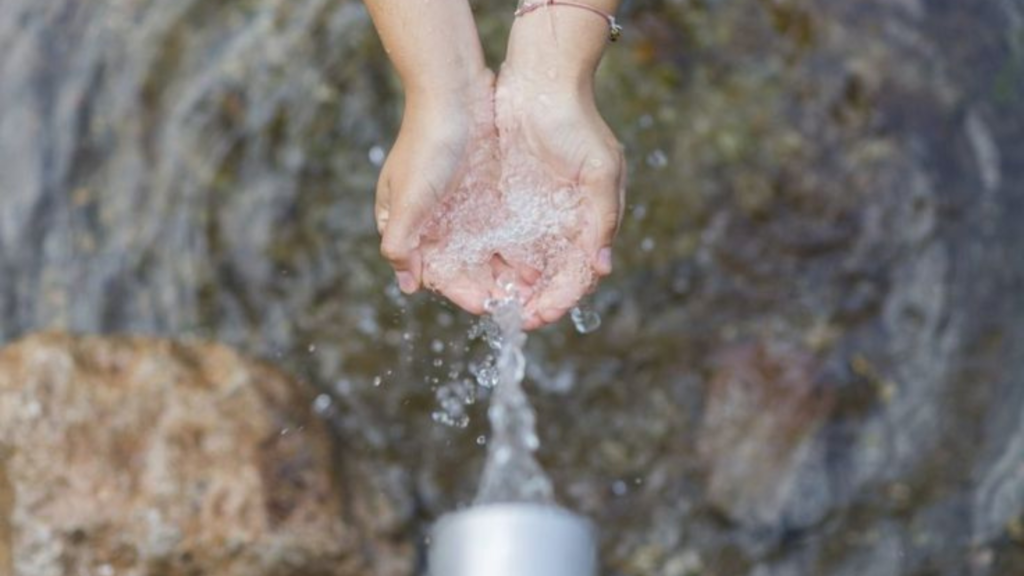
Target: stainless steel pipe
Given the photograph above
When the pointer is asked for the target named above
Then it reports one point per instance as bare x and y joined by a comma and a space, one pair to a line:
513, 540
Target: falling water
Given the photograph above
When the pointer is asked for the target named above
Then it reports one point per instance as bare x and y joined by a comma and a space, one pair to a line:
511, 473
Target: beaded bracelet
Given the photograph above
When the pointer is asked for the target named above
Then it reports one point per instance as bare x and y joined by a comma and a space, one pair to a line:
614, 29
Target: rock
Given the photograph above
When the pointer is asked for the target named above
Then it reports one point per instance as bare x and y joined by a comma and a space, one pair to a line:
136, 456
5, 529
760, 423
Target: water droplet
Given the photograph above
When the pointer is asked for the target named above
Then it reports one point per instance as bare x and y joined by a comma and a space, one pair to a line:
647, 244
496, 414
585, 319
312, 348
481, 440
619, 488
657, 159
322, 404
507, 283
377, 380
394, 294
457, 421
531, 441
343, 387
376, 155
639, 211
438, 362
486, 374
437, 346
367, 323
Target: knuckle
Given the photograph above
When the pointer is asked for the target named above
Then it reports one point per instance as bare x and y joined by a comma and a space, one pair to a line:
392, 249
383, 190
610, 222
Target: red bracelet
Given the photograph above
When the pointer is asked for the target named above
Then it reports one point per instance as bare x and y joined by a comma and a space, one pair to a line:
614, 29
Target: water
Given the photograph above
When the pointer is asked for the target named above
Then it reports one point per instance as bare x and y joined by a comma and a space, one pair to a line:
511, 471
585, 319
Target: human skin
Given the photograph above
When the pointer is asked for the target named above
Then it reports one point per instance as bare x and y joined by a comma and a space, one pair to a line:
437, 54
551, 59
552, 54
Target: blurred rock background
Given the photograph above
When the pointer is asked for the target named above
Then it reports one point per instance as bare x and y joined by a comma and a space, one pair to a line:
809, 362
141, 456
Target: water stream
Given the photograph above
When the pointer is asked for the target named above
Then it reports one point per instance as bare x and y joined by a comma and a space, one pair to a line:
511, 472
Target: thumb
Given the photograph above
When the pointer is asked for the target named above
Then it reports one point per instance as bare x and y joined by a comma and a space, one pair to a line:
402, 221
603, 181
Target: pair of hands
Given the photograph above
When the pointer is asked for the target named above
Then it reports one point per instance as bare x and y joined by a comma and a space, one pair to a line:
538, 108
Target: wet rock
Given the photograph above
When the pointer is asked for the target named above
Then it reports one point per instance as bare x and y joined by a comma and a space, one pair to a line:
6, 499
135, 456
999, 495
757, 439
878, 552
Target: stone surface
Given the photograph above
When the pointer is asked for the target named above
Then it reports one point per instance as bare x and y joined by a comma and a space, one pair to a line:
760, 424
135, 457
6, 501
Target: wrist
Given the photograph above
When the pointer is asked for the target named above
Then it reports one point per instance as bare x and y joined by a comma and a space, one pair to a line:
453, 93
558, 48
453, 85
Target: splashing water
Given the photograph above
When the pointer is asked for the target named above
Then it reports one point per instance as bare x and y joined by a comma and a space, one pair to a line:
511, 473
585, 319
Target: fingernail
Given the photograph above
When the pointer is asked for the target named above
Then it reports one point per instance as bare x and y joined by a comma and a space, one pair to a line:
406, 282
604, 259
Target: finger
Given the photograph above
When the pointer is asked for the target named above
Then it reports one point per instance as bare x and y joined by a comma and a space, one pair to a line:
382, 201
532, 322
520, 275
403, 217
528, 275
405, 263
467, 295
564, 291
603, 183
467, 290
